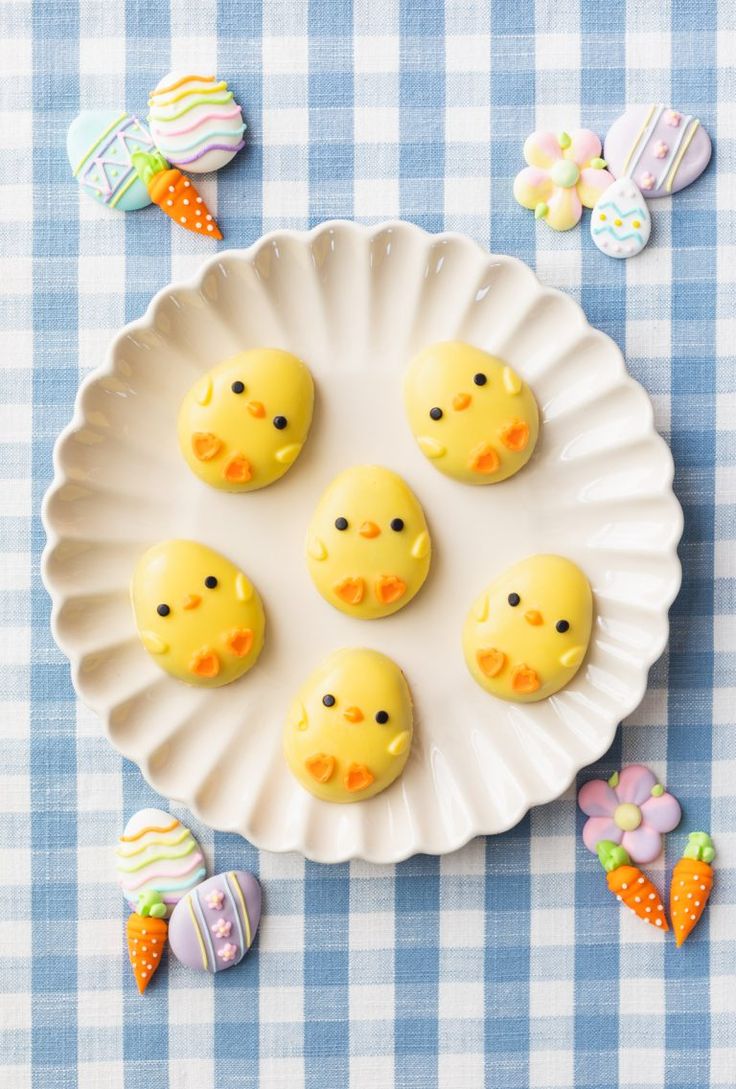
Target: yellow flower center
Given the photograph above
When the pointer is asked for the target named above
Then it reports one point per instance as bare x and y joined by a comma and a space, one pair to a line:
565, 174
627, 816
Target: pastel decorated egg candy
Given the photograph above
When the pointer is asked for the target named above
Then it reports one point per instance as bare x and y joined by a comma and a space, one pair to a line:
471, 414
157, 853
349, 730
527, 634
244, 423
195, 121
621, 224
99, 145
198, 616
661, 149
368, 546
213, 927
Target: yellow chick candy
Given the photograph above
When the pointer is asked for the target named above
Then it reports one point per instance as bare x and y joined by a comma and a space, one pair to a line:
197, 615
244, 423
470, 413
527, 634
368, 547
349, 730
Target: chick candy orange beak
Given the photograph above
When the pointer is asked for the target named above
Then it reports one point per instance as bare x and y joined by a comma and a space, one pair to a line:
369, 529
534, 617
461, 401
256, 408
191, 601
353, 714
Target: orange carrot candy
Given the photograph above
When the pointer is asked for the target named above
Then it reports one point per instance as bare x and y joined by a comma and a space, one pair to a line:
630, 885
147, 934
175, 193
691, 885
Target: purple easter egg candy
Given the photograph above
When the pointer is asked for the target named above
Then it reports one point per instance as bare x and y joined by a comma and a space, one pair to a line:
213, 927
662, 149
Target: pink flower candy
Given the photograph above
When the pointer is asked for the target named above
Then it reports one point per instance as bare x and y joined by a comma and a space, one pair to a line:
215, 900
647, 180
227, 952
661, 149
674, 118
565, 173
631, 809
222, 928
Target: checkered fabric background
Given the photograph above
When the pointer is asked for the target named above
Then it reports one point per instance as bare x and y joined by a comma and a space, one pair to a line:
506, 964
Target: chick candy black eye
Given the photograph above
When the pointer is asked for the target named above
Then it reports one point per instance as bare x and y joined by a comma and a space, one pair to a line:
280, 422
163, 610
238, 387
210, 582
562, 626
328, 700
397, 524
480, 379
381, 717
513, 600
341, 523
435, 413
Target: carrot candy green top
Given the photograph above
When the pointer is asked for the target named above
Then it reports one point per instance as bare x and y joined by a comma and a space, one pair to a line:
700, 847
151, 903
148, 164
611, 855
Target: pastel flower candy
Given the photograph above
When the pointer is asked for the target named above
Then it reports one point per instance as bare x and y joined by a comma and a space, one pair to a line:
631, 810
564, 174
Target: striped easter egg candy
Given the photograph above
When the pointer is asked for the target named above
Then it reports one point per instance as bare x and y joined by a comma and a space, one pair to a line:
660, 148
157, 853
195, 121
213, 927
99, 145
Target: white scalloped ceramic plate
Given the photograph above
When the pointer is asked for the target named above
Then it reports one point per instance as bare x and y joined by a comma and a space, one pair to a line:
356, 303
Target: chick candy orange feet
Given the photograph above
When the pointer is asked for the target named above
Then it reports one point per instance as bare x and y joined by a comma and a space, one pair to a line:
471, 414
368, 547
244, 423
197, 615
527, 634
349, 729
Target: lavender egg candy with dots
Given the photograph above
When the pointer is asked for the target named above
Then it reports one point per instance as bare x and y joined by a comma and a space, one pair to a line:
195, 121
213, 927
662, 149
99, 145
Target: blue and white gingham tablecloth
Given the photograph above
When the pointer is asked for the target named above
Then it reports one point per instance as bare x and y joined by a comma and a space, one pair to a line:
506, 965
